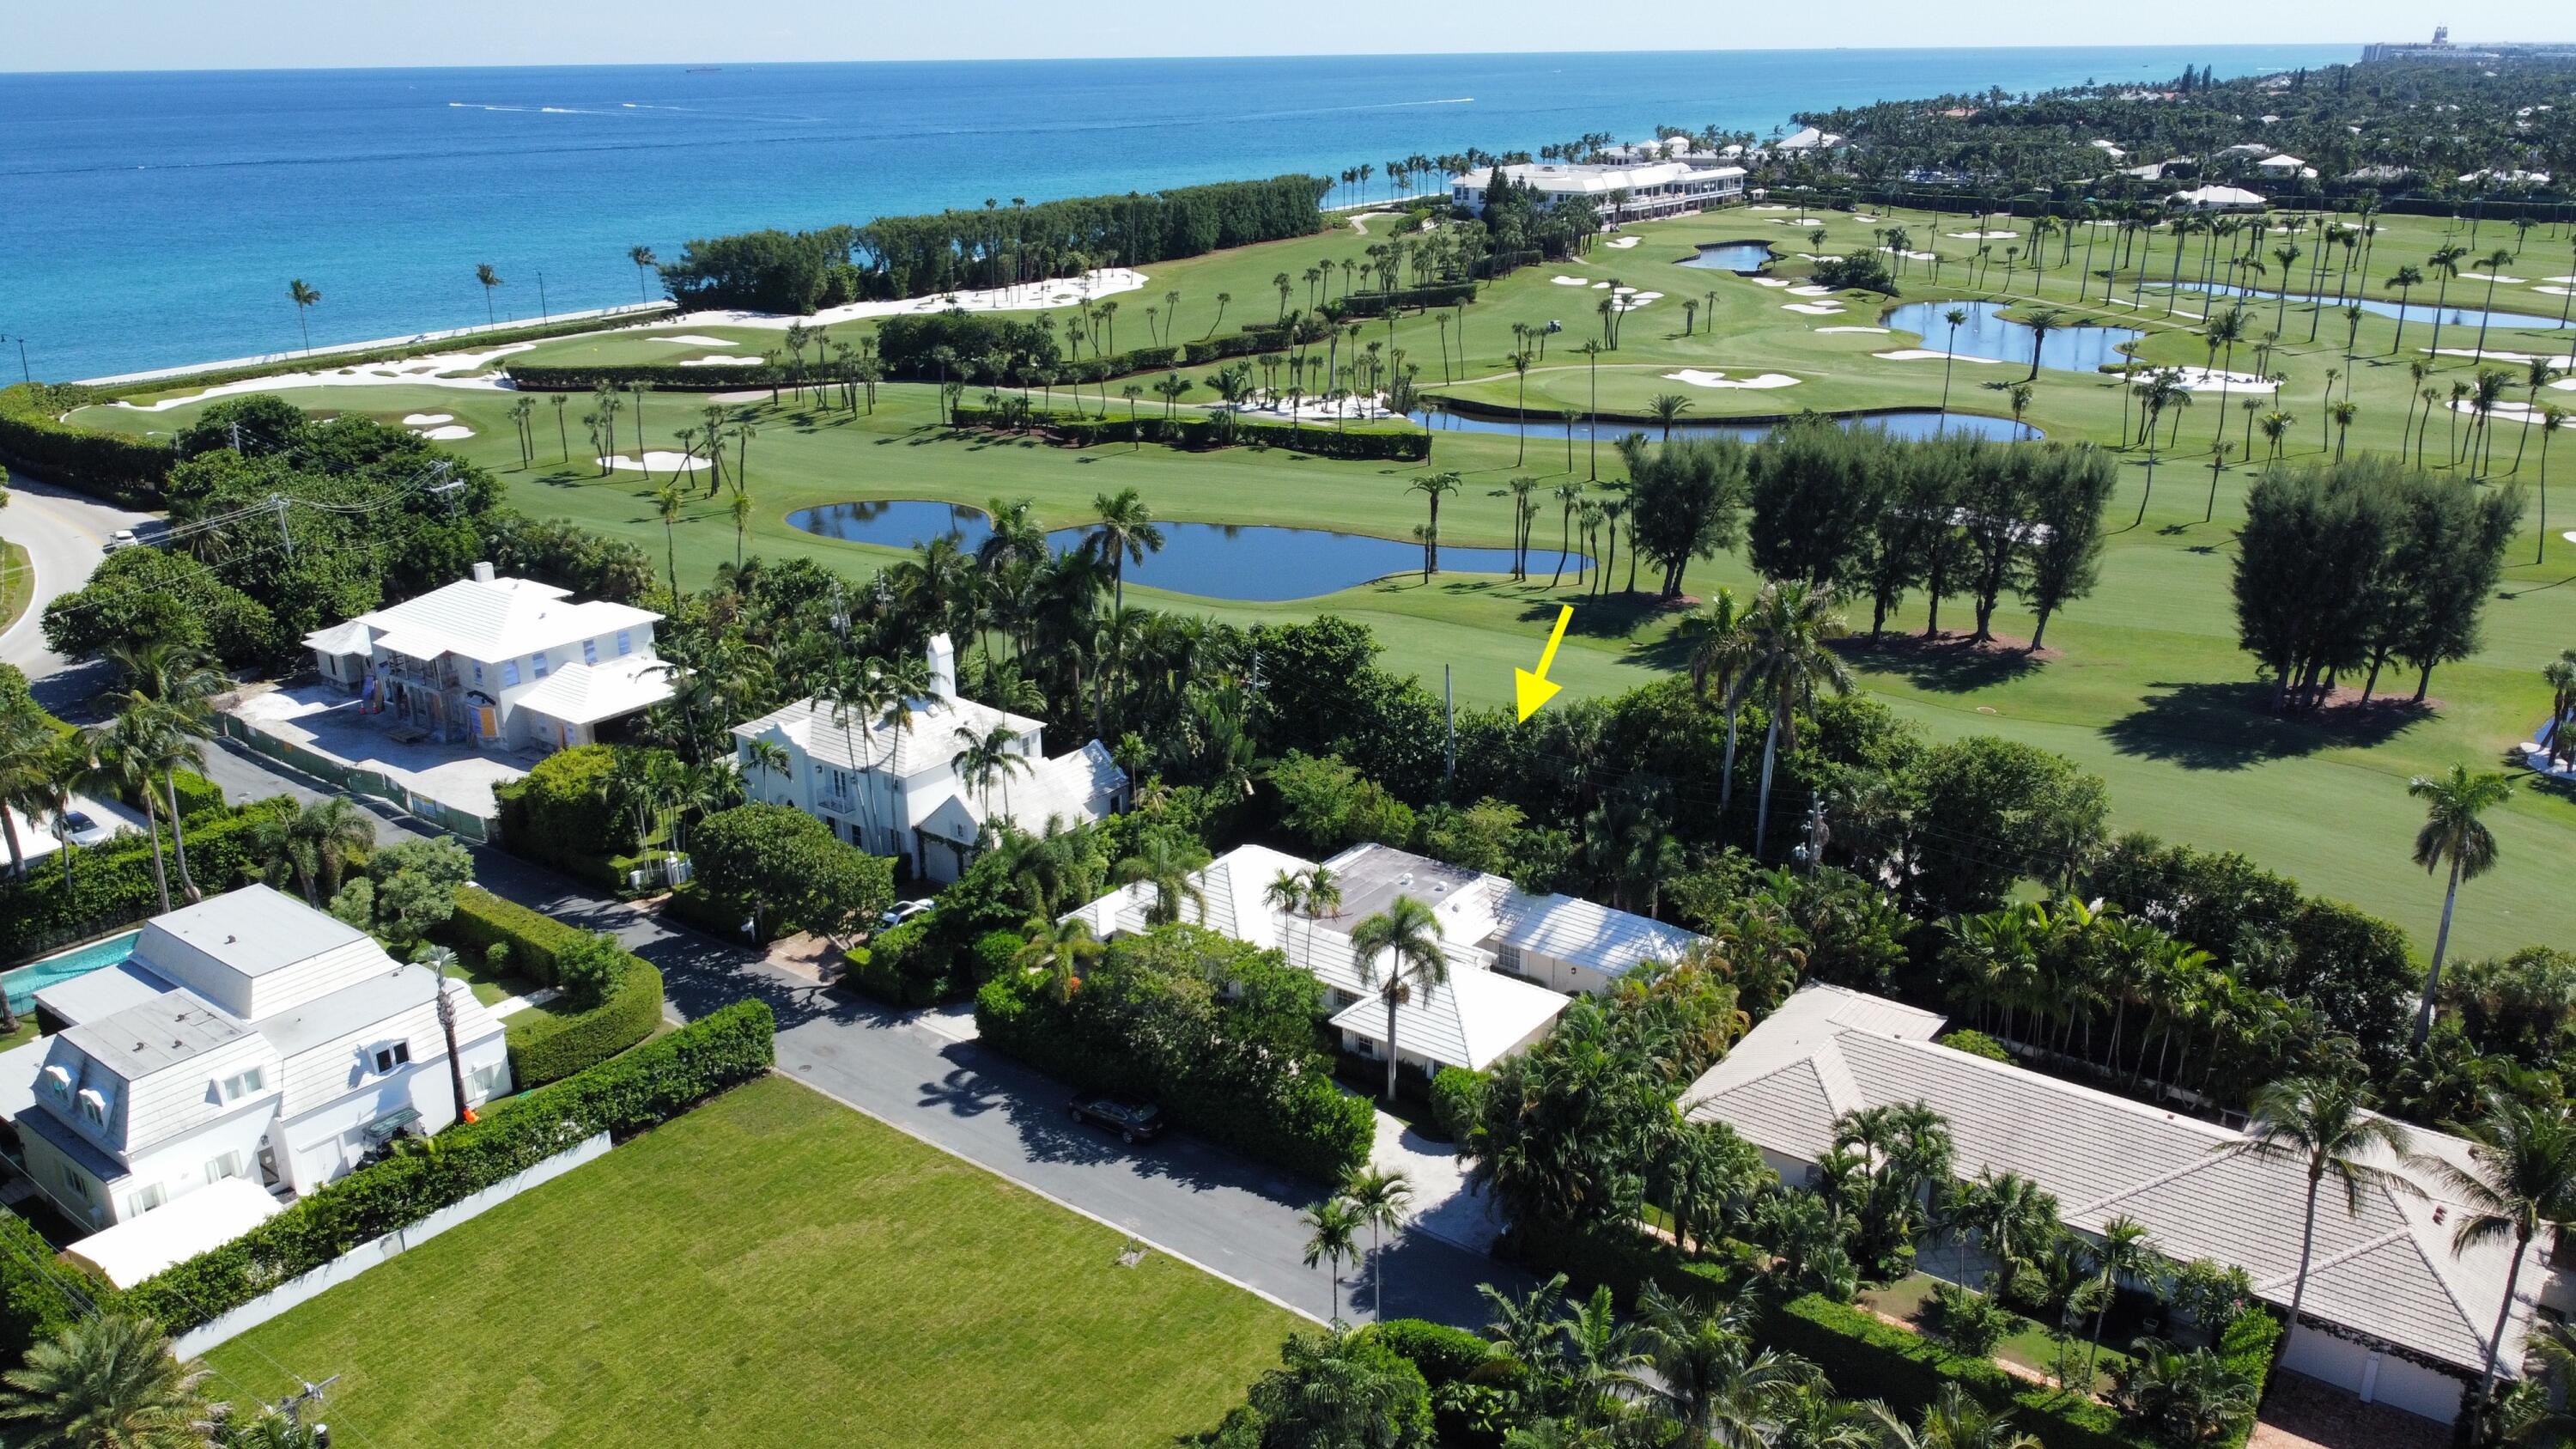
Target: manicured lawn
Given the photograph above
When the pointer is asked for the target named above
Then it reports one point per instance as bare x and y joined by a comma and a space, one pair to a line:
2028, 1346
772, 1270
2148, 688
17, 583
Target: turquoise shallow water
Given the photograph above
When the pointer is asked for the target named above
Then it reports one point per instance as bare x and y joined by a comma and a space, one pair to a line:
23, 983
156, 218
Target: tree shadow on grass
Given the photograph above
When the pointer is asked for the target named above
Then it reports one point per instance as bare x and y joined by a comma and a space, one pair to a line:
2230, 726
1616, 615
1946, 664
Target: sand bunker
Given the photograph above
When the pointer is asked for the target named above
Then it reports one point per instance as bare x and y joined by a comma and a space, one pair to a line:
1828, 257
1622, 243
1570, 281
448, 434
657, 461
1816, 309
1982, 235
2553, 291
2203, 379
1697, 378
1768, 281
1023, 297
1810, 289
2568, 361
427, 420
1852, 329
1917, 256
721, 362
2506, 412
426, 371
1630, 300
691, 339
1920, 354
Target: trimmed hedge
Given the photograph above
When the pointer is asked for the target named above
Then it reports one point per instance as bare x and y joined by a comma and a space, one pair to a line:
117, 467
1443, 1353
660, 376
112, 884
1865, 1357
1377, 304
624, 1097
905, 966
546, 1047
1322, 441
1457, 1100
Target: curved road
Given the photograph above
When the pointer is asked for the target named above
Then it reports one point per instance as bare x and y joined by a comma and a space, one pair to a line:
64, 534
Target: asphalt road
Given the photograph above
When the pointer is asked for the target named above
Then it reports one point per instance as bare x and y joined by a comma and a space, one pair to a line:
63, 533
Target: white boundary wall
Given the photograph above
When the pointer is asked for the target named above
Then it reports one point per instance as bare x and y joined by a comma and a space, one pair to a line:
359, 1259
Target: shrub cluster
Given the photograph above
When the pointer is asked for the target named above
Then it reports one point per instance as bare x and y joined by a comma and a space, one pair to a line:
560, 814
545, 1046
1378, 304
114, 466
624, 1097
1243, 1069
112, 885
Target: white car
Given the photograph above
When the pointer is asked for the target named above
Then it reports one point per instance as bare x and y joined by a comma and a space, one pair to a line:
79, 828
122, 538
904, 911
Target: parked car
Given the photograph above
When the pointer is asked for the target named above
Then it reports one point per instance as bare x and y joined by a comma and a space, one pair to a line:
1133, 1118
77, 827
122, 538
902, 912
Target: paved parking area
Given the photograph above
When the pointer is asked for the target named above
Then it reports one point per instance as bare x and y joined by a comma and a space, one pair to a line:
324, 718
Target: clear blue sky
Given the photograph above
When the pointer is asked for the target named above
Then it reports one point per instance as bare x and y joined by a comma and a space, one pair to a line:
229, 34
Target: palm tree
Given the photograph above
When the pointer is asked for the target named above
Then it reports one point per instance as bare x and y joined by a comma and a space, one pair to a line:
26, 776
2453, 835
1170, 864
2015, 1221
1332, 1237
313, 843
1569, 496
667, 504
2403, 284
1787, 659
2552, 418
1434, 487
1125, 533
983, 758
1323, 897
1285, 894
2492, 263
490, 279
2521, 1178
1408, 933
108, 1382
2343, 412
2123, 1252
1666, 407
170, 683
303, 297
1708, 1375
2445, 264
2324, 1125
1058, 949
643, 258
1954, 1420
1379, 1196
1957, 317
2041, 322
1520, 362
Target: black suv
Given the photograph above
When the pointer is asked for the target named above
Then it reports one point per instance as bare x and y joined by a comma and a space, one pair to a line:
1133, 1118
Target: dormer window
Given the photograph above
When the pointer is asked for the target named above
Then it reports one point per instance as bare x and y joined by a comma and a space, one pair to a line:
390, 1057
590, 651
59, 1082
243, 1084
93, 1106
625, 642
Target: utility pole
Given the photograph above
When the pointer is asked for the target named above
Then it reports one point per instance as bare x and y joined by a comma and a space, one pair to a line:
23, 374
1812, 853
544, 313
292, 1407
278, 502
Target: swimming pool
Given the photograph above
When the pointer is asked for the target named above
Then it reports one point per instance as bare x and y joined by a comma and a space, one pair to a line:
23, 983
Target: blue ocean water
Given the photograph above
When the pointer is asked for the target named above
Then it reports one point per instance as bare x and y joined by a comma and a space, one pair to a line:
153, 219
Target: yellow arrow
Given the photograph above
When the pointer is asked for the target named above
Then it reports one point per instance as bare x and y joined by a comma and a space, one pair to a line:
1533, 690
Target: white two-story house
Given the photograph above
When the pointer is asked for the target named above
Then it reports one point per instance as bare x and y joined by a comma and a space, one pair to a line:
505, 664
893, 788
249, 1036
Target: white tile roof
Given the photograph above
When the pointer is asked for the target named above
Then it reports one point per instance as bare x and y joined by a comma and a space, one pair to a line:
486, 620
196, 1222
927, 742
1076, 788
254, 930
1570, 929
2388, 1272
1472, 1020
589, 693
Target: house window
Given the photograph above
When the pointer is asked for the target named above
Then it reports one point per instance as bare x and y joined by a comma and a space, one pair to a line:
243, 1084
538, 660
625, 641
509, 673
146, 1199
590, 651
76, 1184
231, 1164
390, 1057
93, 1107
482, 1082
478, 671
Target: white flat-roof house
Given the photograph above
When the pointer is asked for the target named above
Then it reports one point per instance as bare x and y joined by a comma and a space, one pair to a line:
894, 789
2405, 1316
249, 1036
2285, 168
507, 664
2215, 198
1513, 957
1650, 189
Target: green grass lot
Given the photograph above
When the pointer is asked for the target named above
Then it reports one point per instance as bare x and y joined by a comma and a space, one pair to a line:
2145, 684
772, 1269
17, 582
2028, 1346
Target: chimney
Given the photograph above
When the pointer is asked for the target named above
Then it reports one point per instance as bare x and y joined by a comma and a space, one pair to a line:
943, 667
483, 573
